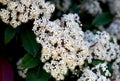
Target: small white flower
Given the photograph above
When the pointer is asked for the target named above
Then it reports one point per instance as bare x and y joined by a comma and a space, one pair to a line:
12, 5
5, 15
21, 71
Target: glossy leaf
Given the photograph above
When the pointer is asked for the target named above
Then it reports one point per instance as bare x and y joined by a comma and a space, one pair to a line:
6, 72
28, 61
102, 19
9, 34
37, 75
29, 42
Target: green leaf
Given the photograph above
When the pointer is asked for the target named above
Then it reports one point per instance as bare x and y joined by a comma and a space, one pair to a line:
96, 62
110, 67
29, 42
102, 19
74, 8
9, 34
37, 75
28, 61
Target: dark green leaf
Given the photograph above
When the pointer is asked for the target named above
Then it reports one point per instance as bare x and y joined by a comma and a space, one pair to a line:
102, 19
96, 62
29, 42
9, 34
37, 75
110, 67
28, 61
75, 8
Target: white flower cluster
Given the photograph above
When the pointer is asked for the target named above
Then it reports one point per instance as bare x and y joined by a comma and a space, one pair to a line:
102, 46
4, 2
20, 11
114, 28
116, 68
66, 46
97, 73
91, 6
114, 6
62, 5
105, 48
21, 71
63, 44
